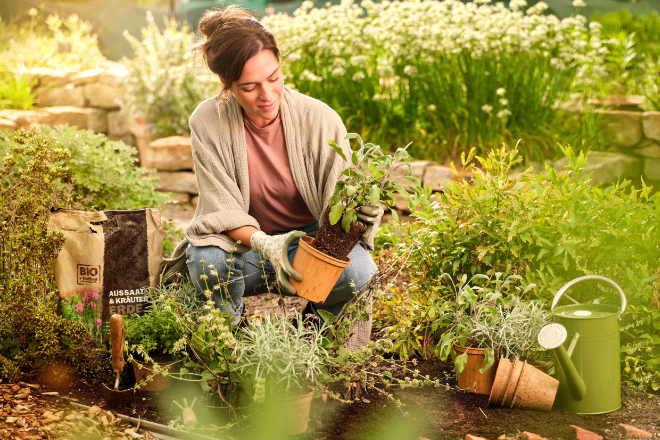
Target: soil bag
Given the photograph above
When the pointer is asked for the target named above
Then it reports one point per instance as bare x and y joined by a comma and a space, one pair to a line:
108, 260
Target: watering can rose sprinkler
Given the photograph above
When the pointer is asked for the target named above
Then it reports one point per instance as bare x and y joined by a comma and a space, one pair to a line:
590, 373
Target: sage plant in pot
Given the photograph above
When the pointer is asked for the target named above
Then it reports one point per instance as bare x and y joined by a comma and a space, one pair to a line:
278, 364
366, 182
487, 322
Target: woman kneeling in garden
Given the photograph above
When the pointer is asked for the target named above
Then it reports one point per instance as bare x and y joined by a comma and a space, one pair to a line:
264, 170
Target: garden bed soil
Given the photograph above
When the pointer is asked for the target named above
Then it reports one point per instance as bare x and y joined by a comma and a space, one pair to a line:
332, 240
428, 413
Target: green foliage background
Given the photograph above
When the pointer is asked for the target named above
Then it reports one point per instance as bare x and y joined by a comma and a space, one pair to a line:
549, 229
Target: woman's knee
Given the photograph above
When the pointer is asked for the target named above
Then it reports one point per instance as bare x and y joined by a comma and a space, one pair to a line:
360, 271
211, 261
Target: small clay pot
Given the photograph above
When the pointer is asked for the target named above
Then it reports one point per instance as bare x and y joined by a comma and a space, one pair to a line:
471, 377
319, 271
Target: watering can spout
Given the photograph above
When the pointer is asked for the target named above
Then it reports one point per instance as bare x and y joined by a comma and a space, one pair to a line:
552, 337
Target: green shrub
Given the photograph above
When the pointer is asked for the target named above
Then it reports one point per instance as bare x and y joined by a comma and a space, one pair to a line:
103, 172
51, 41
162, 84
645, 27
650, 84
549, 229
31, 332
17, 91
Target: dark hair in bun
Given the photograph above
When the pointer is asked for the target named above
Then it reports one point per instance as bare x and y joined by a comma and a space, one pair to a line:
233, 36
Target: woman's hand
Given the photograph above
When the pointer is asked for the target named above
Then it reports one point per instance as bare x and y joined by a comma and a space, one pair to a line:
275, 248
370, 216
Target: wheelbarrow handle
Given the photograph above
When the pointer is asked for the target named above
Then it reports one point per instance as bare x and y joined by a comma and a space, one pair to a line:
570, 284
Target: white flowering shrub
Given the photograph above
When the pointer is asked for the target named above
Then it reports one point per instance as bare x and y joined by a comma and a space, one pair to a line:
441, 73
163, 86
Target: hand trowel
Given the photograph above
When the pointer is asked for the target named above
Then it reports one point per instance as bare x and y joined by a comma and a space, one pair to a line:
114, 397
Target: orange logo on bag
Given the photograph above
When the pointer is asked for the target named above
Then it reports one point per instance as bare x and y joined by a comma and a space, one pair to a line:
88, 274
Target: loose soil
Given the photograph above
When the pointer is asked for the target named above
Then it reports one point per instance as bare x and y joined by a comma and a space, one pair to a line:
428, 413
334, 241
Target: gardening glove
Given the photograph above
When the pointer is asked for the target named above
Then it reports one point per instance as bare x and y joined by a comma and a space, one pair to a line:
370, 216
275, 248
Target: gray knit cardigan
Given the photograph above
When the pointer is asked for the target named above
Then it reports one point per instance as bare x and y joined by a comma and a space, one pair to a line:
221, 168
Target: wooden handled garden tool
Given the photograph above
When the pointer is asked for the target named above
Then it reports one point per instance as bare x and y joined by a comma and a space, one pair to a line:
114, 397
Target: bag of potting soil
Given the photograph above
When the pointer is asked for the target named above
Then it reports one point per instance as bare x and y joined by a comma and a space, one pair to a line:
108, 259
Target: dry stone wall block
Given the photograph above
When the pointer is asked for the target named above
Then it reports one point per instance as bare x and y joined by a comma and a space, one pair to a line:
25, 118
97, 120
72, 116
648, 148
652, 169
68, 95
652, 125
118, 123
128, 139
51, 77
606, 167
87, 76
114, 75
177, 181
180, 197
194, 201
169, 154
435, 176
401, 204
7, 124
623, 127
102, 95
417, 170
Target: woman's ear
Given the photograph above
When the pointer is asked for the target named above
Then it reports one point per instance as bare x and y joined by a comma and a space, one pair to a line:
223, 80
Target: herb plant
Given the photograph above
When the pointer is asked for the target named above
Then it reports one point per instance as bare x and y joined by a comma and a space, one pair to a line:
162, 85
367, 181
155, 332
273, 355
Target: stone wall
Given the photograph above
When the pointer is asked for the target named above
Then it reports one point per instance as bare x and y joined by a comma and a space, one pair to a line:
88, 99
172, 158
636, 150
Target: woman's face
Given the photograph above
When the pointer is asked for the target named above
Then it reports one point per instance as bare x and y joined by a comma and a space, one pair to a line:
259, 89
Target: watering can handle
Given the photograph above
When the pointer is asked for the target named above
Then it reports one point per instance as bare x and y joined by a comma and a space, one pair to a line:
570, 284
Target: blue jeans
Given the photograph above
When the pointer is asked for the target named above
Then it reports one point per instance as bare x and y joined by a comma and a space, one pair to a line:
246, 275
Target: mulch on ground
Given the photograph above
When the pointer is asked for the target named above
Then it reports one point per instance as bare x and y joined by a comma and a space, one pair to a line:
428, 413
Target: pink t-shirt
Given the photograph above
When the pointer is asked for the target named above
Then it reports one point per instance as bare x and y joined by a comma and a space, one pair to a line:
274, 199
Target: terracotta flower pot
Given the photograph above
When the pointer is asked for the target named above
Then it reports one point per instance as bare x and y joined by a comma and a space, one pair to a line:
470, 376
145, 369
297, 412
319, 271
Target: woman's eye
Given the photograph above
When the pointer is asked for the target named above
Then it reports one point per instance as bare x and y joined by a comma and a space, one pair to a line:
270, 80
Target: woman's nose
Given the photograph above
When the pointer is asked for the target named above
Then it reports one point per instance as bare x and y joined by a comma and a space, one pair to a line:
266, 94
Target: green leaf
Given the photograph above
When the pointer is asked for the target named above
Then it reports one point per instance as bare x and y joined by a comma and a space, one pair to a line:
459, 364
338, 149
335, 213
395, 215
348, 218
374, 194
350, 190
328, 317
488, 361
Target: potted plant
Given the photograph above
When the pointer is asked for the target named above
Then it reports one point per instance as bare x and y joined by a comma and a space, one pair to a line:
486, 323
151, 340
278, 364
368, 181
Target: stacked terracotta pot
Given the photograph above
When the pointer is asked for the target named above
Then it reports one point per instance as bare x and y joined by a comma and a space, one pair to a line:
520, 385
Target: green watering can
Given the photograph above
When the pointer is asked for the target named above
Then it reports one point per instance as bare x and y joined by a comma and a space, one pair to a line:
590, 373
